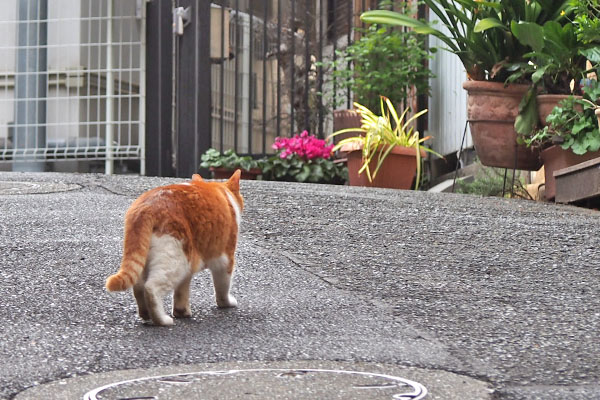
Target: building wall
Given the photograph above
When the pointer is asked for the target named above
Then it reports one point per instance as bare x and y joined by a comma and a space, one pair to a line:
448, 102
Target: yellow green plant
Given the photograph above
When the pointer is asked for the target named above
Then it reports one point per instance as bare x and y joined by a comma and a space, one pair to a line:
381, 133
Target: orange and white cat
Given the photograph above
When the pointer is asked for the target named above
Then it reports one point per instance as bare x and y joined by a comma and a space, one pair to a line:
172, 232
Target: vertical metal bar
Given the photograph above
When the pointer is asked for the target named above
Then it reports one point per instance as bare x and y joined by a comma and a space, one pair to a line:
292, 30
320, 70
222, 79
307, 32
193, 100
462, 144
99, 76
264, 80
130, 96
119, 92
142, 101
349, 39
278, 67
108, 167
236, 58
334, 36
364, 7
175, 50
87, 74
252, 81
158, 68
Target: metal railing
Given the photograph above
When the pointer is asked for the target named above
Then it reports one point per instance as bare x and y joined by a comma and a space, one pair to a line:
72, 82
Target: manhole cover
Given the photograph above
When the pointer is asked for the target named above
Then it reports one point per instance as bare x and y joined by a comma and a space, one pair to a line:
263, 384
265, 380
10, 187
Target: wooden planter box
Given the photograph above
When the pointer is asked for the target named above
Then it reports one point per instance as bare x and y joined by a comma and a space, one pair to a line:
578, 182
224, 173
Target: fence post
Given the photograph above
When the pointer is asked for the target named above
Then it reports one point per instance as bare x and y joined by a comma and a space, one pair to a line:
30, 85
159, 71
110, 91
194, 132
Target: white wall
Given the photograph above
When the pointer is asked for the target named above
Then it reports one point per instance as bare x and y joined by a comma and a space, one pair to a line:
448, 102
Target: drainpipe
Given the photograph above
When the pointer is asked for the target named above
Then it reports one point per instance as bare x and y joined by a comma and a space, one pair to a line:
30, 84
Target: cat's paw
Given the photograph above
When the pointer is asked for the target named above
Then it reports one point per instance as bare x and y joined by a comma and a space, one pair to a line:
227, 303
164, 321
182, 312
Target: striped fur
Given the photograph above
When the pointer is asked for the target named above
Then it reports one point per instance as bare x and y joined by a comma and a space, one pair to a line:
199, 220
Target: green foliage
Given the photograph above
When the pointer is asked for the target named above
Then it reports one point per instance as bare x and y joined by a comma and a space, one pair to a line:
573, 124
557, 58
587, 20
275, 168
381, 133
479, 31
490, 182
383, 60
295, 169
229, 160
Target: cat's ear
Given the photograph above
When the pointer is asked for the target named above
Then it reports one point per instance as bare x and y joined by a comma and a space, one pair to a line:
234, 182
197, 178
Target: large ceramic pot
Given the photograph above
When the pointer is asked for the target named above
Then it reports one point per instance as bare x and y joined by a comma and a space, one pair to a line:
397, 171
556, 158
546, 102
491, 111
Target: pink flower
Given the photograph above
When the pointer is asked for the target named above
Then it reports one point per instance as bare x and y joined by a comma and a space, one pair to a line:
305, 146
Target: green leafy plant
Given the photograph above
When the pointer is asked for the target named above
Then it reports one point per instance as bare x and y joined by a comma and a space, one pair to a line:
556, 59
587, 20
383, 60
484, 52
507, 40
381, 133
212, 158
572, 124
303, 158
493, 182
295, 169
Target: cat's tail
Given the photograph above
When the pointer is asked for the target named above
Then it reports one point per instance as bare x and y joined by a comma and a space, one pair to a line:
138, 233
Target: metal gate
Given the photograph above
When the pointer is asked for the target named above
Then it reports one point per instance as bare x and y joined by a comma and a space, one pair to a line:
241, 73
72, 82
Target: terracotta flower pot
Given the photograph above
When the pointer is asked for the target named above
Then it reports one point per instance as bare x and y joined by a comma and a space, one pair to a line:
397, 171
492, 110
556, 158
546, 102
224, 173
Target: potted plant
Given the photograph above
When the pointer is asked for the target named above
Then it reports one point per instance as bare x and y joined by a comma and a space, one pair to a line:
488, 56
388, 150
303, 158
556, 63
571, 136
381, 60
222, 165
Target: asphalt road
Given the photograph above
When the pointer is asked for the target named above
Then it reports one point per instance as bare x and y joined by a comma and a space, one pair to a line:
505, 293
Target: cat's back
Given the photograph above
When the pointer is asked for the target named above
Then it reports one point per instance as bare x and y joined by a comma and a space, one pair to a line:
190, 198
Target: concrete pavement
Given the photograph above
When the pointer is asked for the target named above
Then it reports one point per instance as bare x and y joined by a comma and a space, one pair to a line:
469, 297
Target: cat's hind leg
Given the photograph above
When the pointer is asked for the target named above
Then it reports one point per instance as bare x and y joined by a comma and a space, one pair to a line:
140, 298
167, 268
221, 269
181, 299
